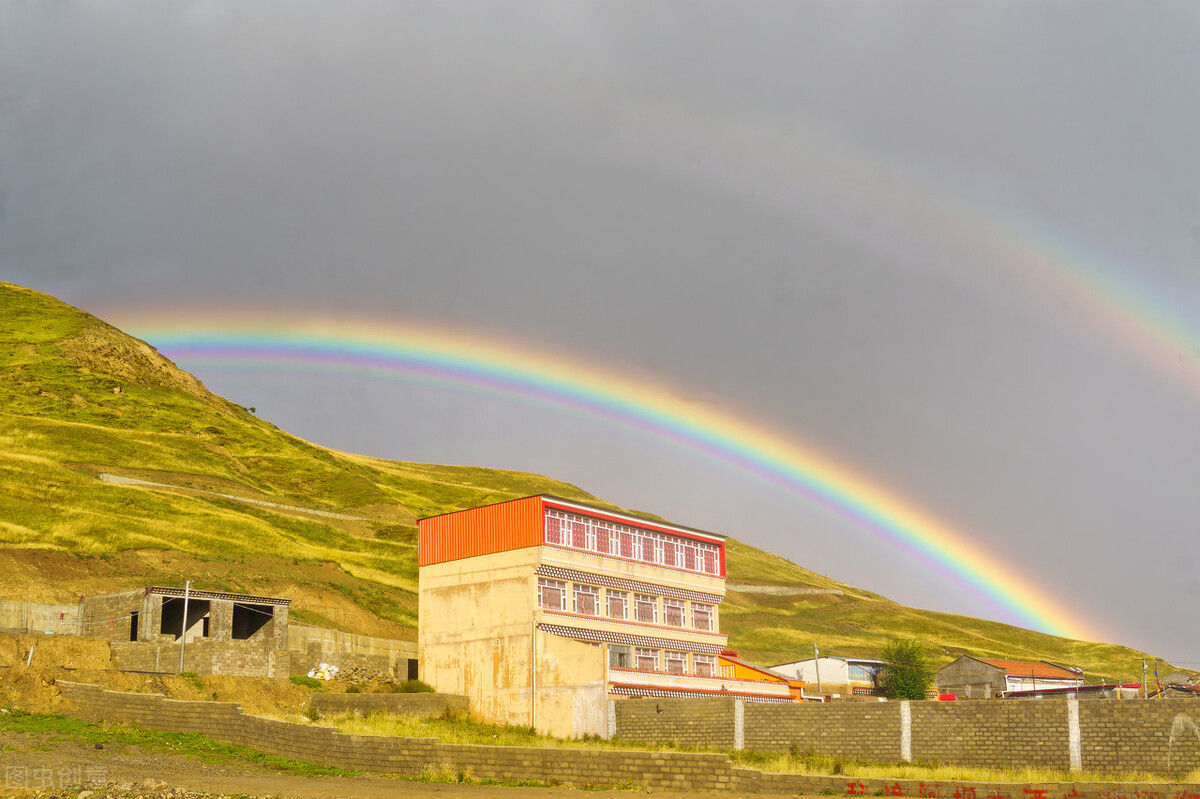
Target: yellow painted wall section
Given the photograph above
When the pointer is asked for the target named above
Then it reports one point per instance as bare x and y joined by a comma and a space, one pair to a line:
572, 695
487, 659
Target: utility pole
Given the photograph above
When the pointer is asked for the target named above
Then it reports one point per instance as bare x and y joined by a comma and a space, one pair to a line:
817, 665
187, 587
1143, 678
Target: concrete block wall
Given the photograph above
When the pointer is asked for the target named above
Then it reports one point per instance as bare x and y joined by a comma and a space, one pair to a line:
986, 732
316, 654
422, 704
203, 656
1099, 736
698, 723
38, 617
684, 771
870, 731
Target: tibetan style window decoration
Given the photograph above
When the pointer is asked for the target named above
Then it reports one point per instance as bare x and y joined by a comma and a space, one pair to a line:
552, 594
673, 612
676, 662
705, 665
702, 616
587, 600
612, 538
647, 659
646, 609
618, 602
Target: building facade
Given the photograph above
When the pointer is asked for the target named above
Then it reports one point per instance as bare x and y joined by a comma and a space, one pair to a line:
541, 610
835, 675
984, 678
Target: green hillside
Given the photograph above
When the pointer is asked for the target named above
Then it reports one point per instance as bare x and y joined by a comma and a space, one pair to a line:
80, 399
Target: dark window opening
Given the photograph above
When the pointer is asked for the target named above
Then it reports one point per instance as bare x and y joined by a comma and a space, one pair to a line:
172, 617
413, 671
249, 619
133, 620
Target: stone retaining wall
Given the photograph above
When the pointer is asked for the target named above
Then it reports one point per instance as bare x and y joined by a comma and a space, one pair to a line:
687, 771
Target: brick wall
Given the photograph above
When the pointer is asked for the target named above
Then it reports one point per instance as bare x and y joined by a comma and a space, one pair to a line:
688, 771
422, 704
1112, 736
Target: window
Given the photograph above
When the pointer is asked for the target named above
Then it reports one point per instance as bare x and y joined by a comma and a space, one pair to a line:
579, 532
673, 612
702, 616
553, 530
647, 659
617, 603
669, 550
706, 665
620, 657
626, 544
587, 600
676, 662
689, 557
648, 547
710, 560
646, 609
552, 594
603, 536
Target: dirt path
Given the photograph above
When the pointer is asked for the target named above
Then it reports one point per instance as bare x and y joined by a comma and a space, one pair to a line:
42, 764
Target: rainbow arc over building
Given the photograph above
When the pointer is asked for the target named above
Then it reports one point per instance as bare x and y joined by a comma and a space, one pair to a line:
416, 353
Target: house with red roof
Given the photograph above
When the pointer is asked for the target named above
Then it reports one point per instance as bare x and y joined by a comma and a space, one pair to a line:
969, 677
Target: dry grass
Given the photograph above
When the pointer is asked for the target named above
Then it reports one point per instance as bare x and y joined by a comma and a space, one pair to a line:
460, 730
809, 763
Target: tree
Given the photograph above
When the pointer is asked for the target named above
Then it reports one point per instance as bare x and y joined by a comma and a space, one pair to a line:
906, 673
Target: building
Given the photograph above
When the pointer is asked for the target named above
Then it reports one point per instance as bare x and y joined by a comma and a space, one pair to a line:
225, 633
983, 678
235, 634
541, 610
1099, 691
835, 675
731, 666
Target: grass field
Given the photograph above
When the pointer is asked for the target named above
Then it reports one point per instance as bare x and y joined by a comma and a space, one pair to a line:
79, 398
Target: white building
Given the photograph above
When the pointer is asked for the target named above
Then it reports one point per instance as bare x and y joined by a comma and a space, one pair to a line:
836, 675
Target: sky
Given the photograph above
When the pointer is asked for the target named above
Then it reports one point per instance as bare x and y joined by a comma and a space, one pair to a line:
953, 246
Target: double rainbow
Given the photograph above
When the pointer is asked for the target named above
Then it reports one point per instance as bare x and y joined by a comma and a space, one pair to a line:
427, 354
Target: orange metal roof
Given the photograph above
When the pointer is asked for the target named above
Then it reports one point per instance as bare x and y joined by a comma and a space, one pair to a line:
1025, 668
518, 523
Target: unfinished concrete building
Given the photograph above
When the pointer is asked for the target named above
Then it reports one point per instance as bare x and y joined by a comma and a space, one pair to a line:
222, 634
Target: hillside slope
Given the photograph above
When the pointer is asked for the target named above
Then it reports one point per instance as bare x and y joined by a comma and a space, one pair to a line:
80, 399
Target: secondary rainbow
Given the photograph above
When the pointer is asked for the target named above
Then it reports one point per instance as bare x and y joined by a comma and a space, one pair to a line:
426, 353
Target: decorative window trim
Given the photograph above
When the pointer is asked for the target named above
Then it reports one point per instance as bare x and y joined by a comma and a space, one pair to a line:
681, 693
636, 586
645, 641
557, 585
582, 589
581, 533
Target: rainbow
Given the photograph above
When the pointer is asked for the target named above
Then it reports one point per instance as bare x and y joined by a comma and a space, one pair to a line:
428, 354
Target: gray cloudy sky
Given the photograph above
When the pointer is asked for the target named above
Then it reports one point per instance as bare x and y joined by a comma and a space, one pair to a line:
846, 221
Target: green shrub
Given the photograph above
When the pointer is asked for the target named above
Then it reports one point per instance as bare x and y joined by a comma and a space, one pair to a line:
193, 678
412, 687
308, 682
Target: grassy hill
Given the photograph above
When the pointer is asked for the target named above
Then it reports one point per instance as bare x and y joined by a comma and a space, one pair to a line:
80, 399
